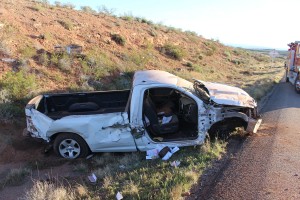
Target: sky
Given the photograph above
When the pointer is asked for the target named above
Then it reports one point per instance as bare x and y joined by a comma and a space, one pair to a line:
244, 23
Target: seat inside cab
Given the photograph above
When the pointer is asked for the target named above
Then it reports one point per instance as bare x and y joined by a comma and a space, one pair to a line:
169, 115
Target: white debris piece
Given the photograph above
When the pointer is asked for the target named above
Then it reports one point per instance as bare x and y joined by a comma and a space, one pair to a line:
92, 178
119, 196
175, 163
167, 156
152, 154
174, 150
8, 60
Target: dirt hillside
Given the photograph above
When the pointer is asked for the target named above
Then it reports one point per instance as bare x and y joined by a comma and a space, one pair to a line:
30, 31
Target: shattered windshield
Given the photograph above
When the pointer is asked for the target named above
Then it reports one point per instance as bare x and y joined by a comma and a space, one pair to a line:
198, 89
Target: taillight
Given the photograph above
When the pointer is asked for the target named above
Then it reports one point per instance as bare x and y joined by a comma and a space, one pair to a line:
30, 126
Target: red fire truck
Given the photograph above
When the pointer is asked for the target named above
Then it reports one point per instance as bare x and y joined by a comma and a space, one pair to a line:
292, 65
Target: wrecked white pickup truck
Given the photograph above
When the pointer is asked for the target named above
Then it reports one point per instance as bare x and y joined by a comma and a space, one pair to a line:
160, 109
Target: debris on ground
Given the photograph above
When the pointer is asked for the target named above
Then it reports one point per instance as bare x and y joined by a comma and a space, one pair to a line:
163, 152
175, 163
119, 196
8, 60
92, 178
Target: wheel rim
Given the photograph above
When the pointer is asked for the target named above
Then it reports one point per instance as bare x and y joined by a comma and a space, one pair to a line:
69, 148
297, 85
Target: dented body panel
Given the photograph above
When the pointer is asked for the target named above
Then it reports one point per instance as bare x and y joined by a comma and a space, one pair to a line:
125, 131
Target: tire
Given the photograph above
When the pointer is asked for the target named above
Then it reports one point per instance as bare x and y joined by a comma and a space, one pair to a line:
297, 82
70, 146
223, 129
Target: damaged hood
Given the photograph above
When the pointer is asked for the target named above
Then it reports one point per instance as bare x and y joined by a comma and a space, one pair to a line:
225, 94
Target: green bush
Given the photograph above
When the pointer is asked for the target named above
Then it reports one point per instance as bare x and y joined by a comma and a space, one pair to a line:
69, 5
43, 59
118, 39
8, 112
64, 64
19, 85
4, 96
66, 24
28, 52
87, 9
173, 51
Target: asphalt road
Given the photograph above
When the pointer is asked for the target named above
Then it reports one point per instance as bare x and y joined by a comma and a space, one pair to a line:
267, 164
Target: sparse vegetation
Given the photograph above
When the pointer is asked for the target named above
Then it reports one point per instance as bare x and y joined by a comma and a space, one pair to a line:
127, 17
15, 177
64, 63
28, 52
118, 39
104, 10
50, 191
43, 59
87, 9
81, 167
19, 84
66, 24
173, 51
69, 6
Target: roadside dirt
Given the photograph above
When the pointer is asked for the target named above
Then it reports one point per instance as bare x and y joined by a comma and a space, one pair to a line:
17, 151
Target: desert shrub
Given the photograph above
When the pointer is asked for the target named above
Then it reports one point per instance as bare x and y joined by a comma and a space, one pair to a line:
43, 59
4, 96
87, 9
28, 52
104, 10
16, 176
4, 48
173, 51
64, 64
18, 84
127, 17
118, 39
209, 52
66, 24
58, 3
50, 191
152, 33
36, 8
140, 58
9, 111
200, 56
227, 54
194, 67
193, 33
69, 5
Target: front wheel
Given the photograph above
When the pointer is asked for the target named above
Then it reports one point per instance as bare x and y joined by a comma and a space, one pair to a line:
70, 146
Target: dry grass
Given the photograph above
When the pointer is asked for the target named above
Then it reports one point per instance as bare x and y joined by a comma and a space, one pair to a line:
15, 177
50, 191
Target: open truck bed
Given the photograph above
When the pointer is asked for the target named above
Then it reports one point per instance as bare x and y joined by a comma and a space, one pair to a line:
57, 106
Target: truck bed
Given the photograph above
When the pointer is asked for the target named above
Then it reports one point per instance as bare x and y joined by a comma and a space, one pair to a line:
57, 106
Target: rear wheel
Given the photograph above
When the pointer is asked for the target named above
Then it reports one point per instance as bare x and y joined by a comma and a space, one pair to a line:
297, 84
70, 146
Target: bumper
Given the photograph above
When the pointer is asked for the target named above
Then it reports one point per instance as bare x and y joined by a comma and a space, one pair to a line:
253, 125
